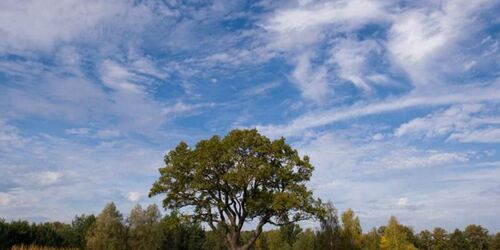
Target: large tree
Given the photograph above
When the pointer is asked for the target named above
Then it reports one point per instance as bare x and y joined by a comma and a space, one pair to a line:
227, 182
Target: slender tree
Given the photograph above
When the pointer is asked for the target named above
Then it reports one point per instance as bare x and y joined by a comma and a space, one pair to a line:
144, 228
371, 240
329, 234
394, 237
351, 234
108, 232
240, 178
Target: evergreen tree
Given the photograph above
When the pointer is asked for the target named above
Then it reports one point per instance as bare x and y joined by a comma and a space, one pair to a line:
108, 232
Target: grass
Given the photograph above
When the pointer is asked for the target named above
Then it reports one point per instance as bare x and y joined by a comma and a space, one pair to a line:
34, 247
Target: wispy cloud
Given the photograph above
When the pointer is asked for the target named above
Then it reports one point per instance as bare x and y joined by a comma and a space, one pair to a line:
322, 118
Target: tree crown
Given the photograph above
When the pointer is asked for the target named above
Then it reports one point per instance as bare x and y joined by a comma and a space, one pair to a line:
239, 178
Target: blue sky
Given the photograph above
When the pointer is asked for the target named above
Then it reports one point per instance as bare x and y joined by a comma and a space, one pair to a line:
396, 102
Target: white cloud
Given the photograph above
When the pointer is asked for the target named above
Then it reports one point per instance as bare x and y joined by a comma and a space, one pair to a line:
411, 158
181, 108
311, 120
379, 178
27, 25
9, 137
486, 135
77, 131
351, 55
403, 201
378, 137
344, 153
303, 25
47, 175
464, 123
134, 196
454, 118
47, 178
118, 77
262, 88
312, 82
423, 41
301, 28
5, 199
108, 133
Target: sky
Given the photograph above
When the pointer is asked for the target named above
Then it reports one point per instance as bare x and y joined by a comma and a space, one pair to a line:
396, 102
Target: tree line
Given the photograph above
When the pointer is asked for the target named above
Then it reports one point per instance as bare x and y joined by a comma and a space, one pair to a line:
146, 229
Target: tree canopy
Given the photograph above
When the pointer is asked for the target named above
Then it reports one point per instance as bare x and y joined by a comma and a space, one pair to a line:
227, 182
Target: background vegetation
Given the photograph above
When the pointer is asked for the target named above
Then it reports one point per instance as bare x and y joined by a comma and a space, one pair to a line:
145, 228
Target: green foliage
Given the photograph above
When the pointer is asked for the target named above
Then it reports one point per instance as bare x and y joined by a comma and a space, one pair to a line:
53, 234
351, 234
395, 237
328, 236
290, 233
81, 226
371, 240
439, 239
275, 241
424, 240
236, 179
180, 234
495, 242
457, 240
144, 232
108, 232
213, 242
477, 236
305, 240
